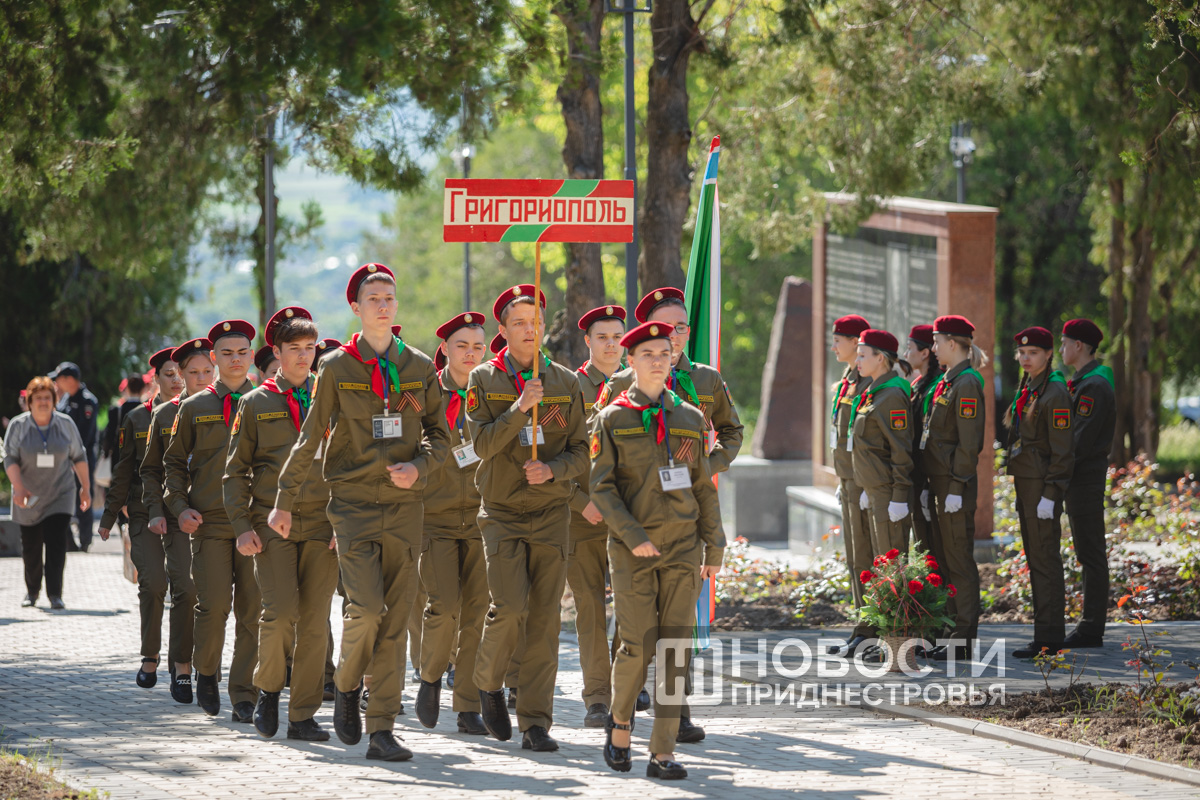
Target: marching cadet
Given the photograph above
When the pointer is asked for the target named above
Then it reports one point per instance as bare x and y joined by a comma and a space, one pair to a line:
194, 362
452, 567
147, 550
880, 441
524, 515
920, 356
587, 559
948, 446
266, 362
651, 481
1094, 413
856, 527
1040, 459
380, 401
194, 466
296, 575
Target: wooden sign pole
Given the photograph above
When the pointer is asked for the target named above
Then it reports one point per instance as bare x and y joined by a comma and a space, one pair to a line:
537, 330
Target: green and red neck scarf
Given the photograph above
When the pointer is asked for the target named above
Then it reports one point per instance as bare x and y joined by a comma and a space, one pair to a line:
506, 364
649, 413
298, 399
865, 398
227, 403
1103, 370
1028, 396
379, 365
454, 407
943, 386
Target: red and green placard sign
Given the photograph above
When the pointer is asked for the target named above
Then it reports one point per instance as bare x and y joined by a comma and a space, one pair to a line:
537, 211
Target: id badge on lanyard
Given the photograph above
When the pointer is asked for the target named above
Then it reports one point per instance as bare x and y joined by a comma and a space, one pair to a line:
45, 460
674, 478
526, 436
386, 426
464, 455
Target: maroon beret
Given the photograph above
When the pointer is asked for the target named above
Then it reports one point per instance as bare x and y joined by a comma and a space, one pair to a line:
447, 328
880, 340
1083, 330
603, 312
157, 360
263, 359
922, 334
508, 295
360, 275
647, 304
189, 348
498, 343
324, 348
645, 332
954, 325
1035, 337
281, 316
231, 327
439, 359
852, 325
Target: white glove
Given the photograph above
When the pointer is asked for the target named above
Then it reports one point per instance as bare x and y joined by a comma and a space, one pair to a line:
953, 503
837, 493
897, 511
925, 513
925, 506
1045, 509
864, 502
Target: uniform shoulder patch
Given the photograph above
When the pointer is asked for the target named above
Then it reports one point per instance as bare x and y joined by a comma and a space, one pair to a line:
595, 448
899, 419
968, 407
175, 425
237, 423
472, 398
1061, 418
602, 399
1085, 406
121, 439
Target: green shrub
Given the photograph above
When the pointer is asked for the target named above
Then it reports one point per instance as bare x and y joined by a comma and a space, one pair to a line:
1178, 450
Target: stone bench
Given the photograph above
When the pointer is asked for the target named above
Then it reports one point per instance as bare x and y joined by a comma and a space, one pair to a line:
811, 512
753, 497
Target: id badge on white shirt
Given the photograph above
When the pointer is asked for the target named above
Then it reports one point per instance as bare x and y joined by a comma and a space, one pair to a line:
924, 437
850, 442
45, 460
673, 478
386, 426
526, 436
833, 437
464, 455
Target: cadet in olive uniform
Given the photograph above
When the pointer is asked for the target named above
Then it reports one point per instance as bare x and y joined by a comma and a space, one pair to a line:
651, 481
881, 441
146, 549
524, 514
856, 527
296, 575
1040, 459
195, 465
382, 406
920, 356
452, 568
324, 348
1094, 416
587, 560
948, 446
194, 361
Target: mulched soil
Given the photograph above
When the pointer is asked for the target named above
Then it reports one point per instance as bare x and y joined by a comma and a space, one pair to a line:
1083, 715
767, 615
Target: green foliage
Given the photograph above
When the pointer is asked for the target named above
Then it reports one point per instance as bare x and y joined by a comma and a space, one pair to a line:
1178, 449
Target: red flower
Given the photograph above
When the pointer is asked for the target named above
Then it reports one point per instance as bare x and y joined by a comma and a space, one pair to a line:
879, 561
915, 586
934, 579
951, 590
931, 562
865, 576
891, 555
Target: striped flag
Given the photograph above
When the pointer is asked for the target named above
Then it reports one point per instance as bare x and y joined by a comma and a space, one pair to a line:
703, 300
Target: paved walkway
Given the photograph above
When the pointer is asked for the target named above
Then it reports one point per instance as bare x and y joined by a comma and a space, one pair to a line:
66, 684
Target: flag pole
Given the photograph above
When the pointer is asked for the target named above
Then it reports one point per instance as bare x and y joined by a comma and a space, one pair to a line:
537, 330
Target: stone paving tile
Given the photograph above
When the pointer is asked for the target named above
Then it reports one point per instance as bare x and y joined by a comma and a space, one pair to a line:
66, 685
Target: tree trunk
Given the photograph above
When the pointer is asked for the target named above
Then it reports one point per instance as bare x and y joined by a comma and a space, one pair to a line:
1141, 280
583, 156
1116, 318
260, 251
668, 134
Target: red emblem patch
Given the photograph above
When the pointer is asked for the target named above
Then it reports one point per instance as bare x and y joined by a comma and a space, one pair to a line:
1084, 409
1061, 419
968, 407
899, 419
472, 398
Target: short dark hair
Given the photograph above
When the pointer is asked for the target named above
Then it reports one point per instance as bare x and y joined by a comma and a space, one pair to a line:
295, 329
670, 301
588, 332
516, 301
134, 384
374, 277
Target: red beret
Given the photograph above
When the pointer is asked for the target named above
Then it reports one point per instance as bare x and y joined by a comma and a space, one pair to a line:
852, 325
190, 348
508, 295
498, 343
324, 348
447, 328
603, 312
880, 340
281, 316
647, 304
263, 358
1083, 330
645, 332
1035, 337
396, 330
360, 275
231, 327
439, 359
954, 325
922, 334
157, 360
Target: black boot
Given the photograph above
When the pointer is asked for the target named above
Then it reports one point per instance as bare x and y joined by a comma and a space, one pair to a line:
266, 714
689, 733
597, 715
328, 693
616, 757
495, 714
470, 722
384, 747
429, 698
307, 730
665, 770
643, 700
347, 718
244, 712
512, 699
207, 696
538, 739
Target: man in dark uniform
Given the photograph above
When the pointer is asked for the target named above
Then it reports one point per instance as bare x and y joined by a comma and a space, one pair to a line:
80, 405
1095, 401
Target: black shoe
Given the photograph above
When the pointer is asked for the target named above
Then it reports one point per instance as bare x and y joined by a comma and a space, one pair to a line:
665, 770
429, 698
512, 699
30, 601
495, 714
962, 653
643, 701
846, 650
147, 680
266, 714
470, 722
538, 739
874, 654
244, 712
384, 747
207, 696
1035, 648
689, 733
597, 715
618, 758
181, 687
329, 690
1077, 639
307, 730
287, 677
347, 717
450, 677
365, 698
56, 603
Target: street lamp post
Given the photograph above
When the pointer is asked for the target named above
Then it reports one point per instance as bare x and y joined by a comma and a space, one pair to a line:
962, 147
628, 8
269, 210
463, 156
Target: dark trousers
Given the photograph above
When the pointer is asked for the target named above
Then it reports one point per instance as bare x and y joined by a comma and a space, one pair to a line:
86, 519
1085, 510
51, 533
